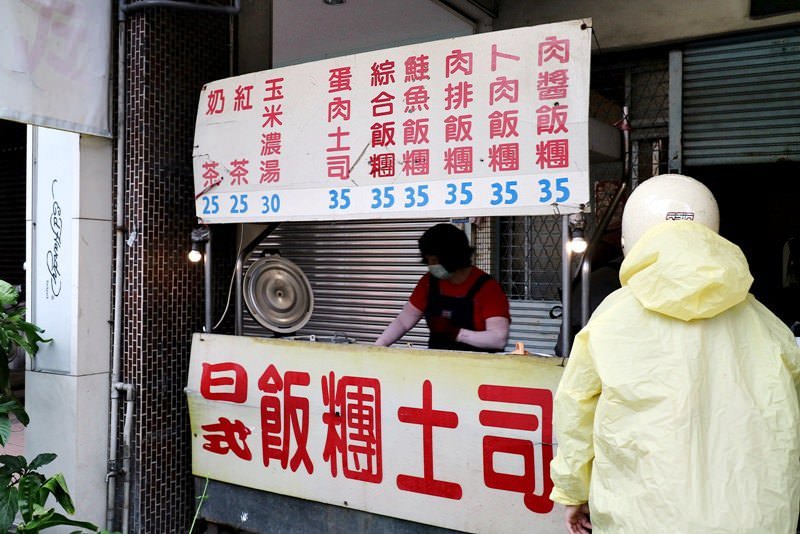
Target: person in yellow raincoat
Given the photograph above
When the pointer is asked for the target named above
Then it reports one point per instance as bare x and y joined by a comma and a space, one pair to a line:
678, 408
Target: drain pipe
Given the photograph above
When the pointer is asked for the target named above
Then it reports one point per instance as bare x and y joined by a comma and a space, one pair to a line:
127, 429
116, 355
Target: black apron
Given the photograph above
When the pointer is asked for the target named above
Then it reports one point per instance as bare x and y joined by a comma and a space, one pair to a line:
459, 310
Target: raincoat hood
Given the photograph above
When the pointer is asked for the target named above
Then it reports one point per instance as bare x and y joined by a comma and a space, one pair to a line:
684, 270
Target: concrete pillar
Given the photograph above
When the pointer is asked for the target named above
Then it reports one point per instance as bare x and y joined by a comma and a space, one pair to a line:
69, 255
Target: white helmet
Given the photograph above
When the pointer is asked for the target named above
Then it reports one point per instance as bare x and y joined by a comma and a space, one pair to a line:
667, 197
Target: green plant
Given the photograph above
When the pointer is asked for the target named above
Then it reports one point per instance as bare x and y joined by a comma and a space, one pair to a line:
200, 500
23, 490
15, 331
26, 491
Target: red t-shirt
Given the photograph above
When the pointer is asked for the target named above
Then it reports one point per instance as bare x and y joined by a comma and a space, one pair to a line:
490, 301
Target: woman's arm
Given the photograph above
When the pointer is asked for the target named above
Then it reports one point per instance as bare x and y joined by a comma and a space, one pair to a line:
494, 337
409, 316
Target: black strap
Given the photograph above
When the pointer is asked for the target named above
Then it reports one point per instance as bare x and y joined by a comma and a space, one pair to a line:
482, 279
433, 287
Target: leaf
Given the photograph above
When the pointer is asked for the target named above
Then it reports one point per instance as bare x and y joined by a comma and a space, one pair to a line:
5, 376
5, 429
32, 337
57, 486
8, 295
15, 463
8, 508
10, 405
21, 415
42, 459
54, 519
29, 496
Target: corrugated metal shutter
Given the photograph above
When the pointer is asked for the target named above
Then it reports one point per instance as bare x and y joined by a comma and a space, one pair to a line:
532, 325
742, 100
361, 273
12, 202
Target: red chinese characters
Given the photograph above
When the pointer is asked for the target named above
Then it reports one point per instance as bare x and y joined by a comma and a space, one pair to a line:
458, 160
428, 418
503, 124
516, 422
458, 95
382, 104
504, 98
210, 174
382, 133
241, 99
458, 128
354, 427
534, 483
382, 164
339, 109
413, 101
269, 165
416, 162
504, 157
284, 419
417, 68
552, 85
382, 73
270, 168
225, 381
416, 99
215, 102
457, 62
239, 171
226, 436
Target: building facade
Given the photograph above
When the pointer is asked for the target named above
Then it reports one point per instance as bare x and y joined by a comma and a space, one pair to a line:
710, 90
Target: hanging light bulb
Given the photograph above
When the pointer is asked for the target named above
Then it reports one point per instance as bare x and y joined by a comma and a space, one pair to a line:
577, 223
200, 236
577, 245
195, 255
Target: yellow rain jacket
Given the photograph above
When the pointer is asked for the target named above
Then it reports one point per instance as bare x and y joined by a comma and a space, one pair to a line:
678, 408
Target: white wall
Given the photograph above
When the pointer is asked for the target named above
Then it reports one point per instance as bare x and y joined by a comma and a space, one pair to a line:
627, 23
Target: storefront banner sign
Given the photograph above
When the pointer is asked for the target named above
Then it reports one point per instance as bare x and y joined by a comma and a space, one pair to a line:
488, 124
55, 173
54, 63
453, 439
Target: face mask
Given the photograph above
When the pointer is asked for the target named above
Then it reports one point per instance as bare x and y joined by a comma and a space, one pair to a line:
439, 272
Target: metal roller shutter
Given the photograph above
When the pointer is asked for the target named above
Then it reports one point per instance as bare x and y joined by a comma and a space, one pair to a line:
361, 273
742, 100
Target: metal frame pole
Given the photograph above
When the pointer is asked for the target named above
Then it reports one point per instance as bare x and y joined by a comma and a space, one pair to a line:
566, 285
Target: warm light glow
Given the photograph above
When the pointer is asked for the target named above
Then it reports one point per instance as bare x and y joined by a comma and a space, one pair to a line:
577, 245
195, 256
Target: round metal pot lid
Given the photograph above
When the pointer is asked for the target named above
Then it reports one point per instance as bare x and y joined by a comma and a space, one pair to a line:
278, 294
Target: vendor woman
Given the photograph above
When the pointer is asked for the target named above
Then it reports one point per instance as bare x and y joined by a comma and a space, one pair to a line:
465, 308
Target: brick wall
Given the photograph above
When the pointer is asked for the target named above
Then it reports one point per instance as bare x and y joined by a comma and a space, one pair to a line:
170, 54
